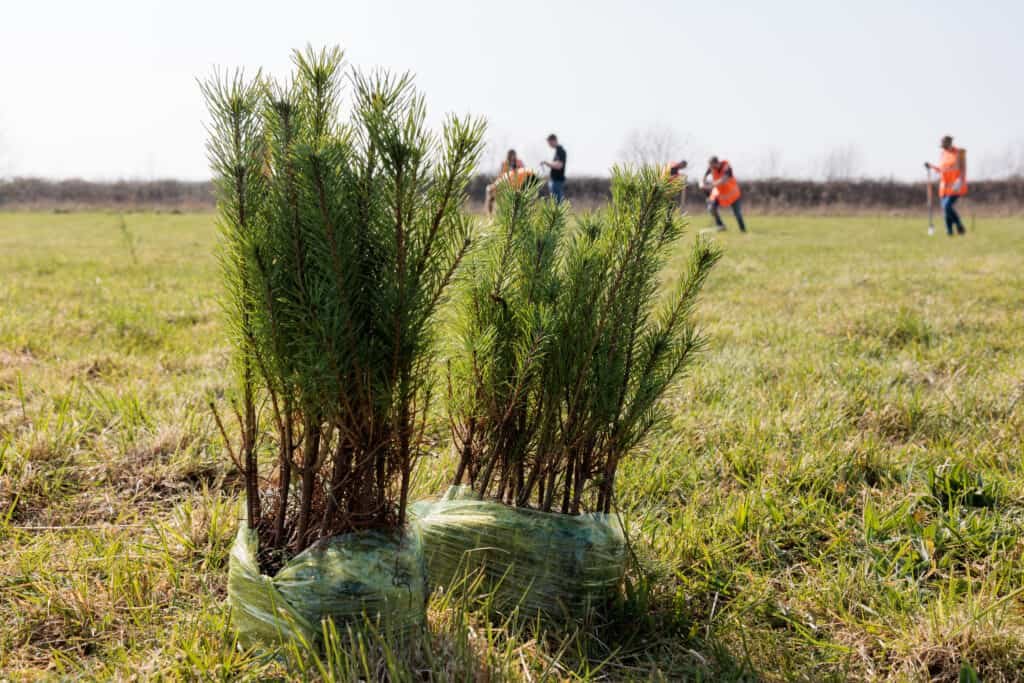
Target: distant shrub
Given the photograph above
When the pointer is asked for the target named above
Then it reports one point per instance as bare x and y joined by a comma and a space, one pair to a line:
777, 195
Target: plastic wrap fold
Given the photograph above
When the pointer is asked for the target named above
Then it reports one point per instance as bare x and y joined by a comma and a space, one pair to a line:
358, 579
539, 562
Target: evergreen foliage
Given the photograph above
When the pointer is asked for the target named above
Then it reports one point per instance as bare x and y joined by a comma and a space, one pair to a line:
339, 240
562, 352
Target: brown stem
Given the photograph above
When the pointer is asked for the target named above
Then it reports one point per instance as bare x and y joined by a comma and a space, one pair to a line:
467, 452
609, 488
503, 478
284, 482
579, 481
310, 461
549, 495
541, 480
488, 473
519, 481
339, 473
569, 471
252, 490
583, 467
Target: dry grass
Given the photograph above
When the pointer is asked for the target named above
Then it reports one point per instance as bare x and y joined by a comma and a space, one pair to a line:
788, 523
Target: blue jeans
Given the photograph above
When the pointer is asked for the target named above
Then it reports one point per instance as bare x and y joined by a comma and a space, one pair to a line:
557, 188
736, 211
952, 217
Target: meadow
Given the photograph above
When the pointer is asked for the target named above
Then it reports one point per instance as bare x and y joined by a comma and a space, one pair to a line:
840, 494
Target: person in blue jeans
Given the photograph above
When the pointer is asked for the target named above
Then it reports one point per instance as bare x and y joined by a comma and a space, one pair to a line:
951, 216
556, 179
952, 170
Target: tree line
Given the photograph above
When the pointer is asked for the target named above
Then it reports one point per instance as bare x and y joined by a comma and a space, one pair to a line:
762, 195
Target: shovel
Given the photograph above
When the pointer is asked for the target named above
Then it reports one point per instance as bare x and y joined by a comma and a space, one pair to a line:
931, 203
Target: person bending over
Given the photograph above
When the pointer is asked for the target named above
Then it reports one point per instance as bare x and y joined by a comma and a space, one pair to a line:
676, 171
724, 191
511, 169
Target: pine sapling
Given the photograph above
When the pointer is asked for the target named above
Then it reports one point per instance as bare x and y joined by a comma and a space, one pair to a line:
563, 349
340, 239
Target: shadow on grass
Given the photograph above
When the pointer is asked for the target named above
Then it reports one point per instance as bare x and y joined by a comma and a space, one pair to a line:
630, 640
641, 634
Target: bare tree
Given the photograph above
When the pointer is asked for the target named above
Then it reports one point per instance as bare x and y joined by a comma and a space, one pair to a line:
769, 164
840, 163
1006, 164
494, 153
655, 144
1014, 161
6, 163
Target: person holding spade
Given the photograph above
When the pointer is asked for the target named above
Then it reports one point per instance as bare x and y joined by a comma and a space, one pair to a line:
952, 170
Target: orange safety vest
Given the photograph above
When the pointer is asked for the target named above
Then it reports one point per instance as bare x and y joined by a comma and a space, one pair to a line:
515, 176
728, 192
950, 172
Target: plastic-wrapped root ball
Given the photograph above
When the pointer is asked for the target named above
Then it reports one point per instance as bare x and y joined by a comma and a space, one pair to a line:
518, 559
365, 578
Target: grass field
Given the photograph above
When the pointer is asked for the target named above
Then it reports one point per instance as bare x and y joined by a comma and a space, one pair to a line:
839, 496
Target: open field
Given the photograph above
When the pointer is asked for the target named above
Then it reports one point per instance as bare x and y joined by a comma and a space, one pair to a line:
840, 494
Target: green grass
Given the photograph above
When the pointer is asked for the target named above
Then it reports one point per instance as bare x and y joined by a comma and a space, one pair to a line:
840, 494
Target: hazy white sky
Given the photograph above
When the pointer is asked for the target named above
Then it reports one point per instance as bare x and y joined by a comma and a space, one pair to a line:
106, 89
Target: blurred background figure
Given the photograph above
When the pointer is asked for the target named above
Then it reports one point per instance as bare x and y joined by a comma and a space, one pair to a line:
509, 168
724, 191
675, 172
952, 170
556, 180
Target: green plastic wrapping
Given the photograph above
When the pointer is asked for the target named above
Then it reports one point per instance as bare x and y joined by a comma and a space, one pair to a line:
543, 563
353, 579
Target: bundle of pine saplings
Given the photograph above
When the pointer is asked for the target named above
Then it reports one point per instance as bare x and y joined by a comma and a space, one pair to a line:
564, 346
339, 239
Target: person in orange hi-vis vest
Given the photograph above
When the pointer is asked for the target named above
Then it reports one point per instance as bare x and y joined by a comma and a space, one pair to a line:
952, 170
511, 170
724, 191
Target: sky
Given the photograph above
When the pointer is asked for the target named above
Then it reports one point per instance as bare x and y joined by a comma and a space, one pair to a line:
107, 89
